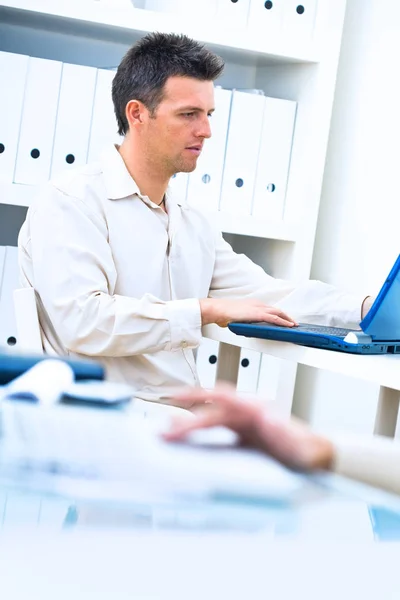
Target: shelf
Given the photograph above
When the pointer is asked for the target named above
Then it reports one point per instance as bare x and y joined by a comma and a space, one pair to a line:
87, 18
15, 194
384, 370
254, 227
21, 195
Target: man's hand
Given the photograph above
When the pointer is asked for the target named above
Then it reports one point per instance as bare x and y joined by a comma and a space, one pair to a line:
290, 442
223, 312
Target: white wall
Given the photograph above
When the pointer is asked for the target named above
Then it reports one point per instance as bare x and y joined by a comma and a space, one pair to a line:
358, 234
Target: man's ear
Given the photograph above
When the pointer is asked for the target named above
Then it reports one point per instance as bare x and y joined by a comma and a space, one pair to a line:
136, 113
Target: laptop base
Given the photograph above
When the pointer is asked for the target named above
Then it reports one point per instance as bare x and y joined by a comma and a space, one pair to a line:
313, 340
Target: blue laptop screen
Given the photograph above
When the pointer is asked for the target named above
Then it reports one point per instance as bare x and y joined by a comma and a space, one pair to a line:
383, 320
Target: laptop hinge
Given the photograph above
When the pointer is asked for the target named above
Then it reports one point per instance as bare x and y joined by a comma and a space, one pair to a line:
358, 337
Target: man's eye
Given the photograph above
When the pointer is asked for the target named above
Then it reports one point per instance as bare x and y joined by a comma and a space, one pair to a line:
188, 114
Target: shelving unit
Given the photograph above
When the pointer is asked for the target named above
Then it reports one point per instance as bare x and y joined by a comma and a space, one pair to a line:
96, 34
13, 194
123, 25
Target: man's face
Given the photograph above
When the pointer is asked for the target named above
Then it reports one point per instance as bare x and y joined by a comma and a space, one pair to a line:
175, 135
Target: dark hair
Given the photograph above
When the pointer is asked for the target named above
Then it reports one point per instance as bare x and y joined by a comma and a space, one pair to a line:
146, 67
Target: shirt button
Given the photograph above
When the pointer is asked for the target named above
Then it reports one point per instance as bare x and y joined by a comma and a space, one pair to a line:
184, 344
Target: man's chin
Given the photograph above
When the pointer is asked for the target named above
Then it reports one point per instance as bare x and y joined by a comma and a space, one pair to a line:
186, 167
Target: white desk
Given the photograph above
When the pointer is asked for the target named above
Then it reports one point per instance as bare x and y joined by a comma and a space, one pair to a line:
384, 370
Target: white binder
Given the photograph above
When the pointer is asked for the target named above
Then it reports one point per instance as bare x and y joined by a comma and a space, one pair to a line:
266, 18
207, 361
233, 13
104, 126
73, 117
39, 114
274, 158
27, 320
2, 261
178, 185
268, 379
205, 8
299, 20
10, 282
204, 187
129, 4
249, 368
171, 6
242, 152
13, 70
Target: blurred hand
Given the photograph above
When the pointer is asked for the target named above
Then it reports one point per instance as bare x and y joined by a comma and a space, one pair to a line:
222, 312
291, 442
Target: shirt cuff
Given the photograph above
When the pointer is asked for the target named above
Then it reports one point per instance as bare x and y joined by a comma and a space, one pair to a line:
374, 460
184, 318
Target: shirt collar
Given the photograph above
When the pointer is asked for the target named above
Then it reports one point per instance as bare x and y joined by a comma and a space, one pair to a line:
117, 179
119, 182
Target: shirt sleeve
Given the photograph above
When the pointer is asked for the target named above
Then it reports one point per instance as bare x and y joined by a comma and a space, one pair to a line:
75, 276
374, 460
236, 276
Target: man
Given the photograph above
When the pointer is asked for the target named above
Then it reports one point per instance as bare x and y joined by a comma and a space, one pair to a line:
371, 459
123, 270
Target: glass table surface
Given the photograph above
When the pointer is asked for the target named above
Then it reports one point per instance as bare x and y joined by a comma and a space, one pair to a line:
334, 509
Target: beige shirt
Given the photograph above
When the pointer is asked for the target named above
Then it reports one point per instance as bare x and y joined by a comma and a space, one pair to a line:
120, 280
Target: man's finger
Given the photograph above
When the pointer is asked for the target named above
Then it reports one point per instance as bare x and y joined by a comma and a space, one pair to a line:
273, 310
193, 396
180, 429
276, 320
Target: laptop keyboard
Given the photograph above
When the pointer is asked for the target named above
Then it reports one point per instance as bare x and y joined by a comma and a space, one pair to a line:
321, 329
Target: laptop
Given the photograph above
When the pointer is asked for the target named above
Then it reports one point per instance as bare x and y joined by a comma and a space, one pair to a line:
379, 331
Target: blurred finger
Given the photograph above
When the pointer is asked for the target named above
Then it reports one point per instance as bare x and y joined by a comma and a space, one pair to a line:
222, 393
182, 427
192, 396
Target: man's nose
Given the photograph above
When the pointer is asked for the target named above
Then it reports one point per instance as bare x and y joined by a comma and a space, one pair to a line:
204, 130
